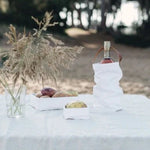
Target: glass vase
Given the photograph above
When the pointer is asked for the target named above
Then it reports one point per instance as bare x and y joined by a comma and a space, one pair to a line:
15, 101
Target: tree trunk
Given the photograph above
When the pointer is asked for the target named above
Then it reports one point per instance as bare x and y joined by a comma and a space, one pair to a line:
148, 9
102, 26
79, 16
72, 9
89, 13
103, 15
72, 19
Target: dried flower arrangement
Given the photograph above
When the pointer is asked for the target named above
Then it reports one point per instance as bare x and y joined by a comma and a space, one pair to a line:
36, 56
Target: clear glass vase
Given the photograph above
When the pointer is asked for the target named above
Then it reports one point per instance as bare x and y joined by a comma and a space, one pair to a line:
15, 101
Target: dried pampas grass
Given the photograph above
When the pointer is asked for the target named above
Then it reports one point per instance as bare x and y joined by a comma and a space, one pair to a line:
36, 56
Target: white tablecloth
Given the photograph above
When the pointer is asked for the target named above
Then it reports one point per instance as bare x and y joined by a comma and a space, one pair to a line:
105, 130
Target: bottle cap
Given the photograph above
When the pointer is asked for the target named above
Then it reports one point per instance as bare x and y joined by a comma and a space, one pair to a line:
107, 45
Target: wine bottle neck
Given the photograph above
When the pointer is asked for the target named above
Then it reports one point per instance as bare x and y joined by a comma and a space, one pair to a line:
107, 45
106, 54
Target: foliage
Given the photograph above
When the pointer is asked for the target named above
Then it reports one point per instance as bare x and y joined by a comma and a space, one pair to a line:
134, 40
19, 13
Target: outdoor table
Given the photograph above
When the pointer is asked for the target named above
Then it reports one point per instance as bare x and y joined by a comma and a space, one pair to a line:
128, 129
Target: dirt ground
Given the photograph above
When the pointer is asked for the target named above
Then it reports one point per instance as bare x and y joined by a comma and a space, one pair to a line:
135, 65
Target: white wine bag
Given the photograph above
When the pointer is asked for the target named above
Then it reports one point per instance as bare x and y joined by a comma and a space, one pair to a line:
107, 90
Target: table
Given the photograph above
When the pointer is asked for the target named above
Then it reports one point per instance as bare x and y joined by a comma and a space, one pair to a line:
105, 130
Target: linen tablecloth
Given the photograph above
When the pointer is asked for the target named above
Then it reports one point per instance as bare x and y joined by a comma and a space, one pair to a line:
105, 130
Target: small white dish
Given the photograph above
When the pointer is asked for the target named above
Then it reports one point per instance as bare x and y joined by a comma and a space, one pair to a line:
76, 113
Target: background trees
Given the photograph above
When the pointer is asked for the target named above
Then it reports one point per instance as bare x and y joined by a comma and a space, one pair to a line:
86, 14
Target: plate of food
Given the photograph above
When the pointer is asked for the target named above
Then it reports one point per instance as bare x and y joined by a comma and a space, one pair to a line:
76, 110
49, 98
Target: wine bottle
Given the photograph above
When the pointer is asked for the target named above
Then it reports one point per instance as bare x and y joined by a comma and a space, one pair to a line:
107, 58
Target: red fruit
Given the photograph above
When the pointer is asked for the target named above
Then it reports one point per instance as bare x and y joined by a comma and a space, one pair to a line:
48, 91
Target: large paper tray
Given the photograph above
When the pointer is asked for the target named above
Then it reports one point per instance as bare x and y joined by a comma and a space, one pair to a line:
50, 103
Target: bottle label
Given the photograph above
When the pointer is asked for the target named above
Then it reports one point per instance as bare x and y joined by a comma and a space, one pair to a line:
106, 54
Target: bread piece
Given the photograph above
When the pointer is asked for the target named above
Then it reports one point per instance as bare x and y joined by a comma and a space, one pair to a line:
72, 93
45, 96
64, 94
39, 94
77, 104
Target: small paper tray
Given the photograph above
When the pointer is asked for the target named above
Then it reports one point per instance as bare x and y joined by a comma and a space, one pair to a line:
50, 103
76, 113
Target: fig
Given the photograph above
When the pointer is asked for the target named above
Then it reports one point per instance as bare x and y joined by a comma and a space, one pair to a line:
48, 91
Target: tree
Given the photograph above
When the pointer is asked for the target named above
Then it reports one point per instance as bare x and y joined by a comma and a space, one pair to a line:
107, 6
